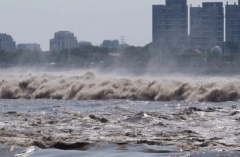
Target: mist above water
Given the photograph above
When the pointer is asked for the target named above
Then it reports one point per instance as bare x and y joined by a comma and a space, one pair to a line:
89, 85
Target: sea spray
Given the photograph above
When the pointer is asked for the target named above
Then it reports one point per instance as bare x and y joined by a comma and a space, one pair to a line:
91, 86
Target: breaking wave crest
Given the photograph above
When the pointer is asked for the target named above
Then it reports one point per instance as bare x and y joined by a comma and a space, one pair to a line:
91, 87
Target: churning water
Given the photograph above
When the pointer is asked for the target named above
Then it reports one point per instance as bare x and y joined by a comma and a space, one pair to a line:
88, 114
118, 128
89, 86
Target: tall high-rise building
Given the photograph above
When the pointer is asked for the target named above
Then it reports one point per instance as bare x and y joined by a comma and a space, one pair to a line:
170, 23
233, 22
7, 43
62, 40
207, 25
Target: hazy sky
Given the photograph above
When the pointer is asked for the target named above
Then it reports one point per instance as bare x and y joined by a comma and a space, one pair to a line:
35, 21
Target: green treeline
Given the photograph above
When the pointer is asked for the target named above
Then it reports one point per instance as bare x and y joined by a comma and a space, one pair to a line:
94, 56
83, 56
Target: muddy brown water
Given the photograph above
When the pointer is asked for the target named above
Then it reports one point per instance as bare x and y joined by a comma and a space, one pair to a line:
48, 127
77, 85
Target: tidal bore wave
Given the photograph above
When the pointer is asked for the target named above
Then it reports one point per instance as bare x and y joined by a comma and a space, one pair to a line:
91, 87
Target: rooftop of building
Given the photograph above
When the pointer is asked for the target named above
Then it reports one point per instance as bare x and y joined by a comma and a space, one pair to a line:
160, 5
4, 34
64, 35
234, 4
212, 3
207, 5
168, 7
63, 32
170, 2
28, 44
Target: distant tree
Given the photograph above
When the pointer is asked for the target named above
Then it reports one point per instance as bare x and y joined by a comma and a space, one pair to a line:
2, 56
232, 46
213, 56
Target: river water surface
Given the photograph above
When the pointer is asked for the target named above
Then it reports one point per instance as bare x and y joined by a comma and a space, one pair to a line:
47, 128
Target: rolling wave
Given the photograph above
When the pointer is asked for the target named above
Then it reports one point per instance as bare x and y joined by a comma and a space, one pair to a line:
93, 87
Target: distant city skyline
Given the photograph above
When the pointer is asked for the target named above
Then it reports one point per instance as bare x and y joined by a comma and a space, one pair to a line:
29, 21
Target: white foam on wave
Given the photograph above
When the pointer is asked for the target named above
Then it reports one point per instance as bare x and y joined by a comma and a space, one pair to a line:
28, 151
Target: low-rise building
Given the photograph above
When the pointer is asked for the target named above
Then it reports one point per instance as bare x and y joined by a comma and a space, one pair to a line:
110, 44
62, 40
7, 43
122, 46
80, 43
32, 47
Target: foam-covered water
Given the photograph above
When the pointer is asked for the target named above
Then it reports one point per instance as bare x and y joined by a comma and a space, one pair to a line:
106, 150
110, 150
